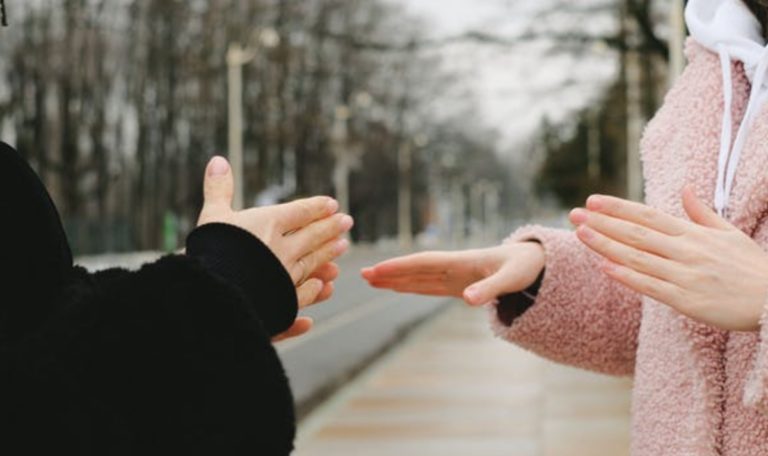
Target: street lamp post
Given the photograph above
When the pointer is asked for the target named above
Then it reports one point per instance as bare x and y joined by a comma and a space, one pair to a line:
492, 210
237, 56
404, 197
676, 40
634, 108
341, 148
346, 153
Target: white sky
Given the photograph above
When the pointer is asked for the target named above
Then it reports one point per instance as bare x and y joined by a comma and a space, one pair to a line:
516, 87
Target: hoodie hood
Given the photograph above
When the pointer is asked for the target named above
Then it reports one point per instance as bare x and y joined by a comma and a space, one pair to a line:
729, 29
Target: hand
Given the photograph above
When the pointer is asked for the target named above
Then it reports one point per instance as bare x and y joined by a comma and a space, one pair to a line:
315, 290
305, 235
706, 269
477, 276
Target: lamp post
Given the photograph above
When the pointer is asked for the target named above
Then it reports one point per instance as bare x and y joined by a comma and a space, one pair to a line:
492, 209
635, 121
346, 153
341, 168
676, 39
404, 197
405, 188
237, 56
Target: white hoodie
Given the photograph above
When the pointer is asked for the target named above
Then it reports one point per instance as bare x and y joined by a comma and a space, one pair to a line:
728, 28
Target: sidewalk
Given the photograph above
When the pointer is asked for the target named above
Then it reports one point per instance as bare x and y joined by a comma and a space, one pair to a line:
453, 389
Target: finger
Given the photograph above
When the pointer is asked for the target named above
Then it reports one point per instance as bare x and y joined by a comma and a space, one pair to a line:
700, 213
326, 291
640, 214
368, 273
632, 234
327, 272
312, 236
325, 294
436, 277
653, 287
416, 287
625, 255
218, 185
300, 326
429, 283
308, 291
306, 265
297, 214
425, 262
502, 282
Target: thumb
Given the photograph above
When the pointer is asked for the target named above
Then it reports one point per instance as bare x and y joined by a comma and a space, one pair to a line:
700, 213
490, 288
218, 185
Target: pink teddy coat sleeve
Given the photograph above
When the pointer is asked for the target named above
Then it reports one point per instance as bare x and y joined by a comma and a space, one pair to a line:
580, 316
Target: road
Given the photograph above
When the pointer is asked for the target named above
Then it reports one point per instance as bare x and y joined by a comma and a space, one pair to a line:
352, 329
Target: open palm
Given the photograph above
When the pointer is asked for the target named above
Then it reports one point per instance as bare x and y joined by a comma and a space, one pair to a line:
305, 235
478, 276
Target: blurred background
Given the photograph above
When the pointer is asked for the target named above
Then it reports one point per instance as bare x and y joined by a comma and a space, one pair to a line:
441, 119
435, 123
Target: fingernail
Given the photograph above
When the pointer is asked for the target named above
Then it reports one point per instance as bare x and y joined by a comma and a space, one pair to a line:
608, 266
594, 202
471, 294
578, 216
341, 246
333, 206
218, 166
346, 222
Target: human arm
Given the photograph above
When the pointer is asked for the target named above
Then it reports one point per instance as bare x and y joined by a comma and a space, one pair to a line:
579, 316
175, 357
704, 268
171, 358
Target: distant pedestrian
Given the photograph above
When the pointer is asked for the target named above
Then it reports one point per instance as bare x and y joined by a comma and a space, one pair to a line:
673, 292
173, 359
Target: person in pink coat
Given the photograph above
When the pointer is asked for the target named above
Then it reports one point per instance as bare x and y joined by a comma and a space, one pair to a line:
674, 291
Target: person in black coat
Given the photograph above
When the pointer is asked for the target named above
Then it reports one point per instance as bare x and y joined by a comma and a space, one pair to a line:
175, 358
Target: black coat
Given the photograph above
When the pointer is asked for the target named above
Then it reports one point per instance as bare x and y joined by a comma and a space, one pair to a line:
173, 359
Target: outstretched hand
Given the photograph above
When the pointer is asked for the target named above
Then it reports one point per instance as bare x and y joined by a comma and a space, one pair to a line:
305, 235
478, 276
705, 268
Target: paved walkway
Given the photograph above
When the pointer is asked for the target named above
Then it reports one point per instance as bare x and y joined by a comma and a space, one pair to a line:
453, 389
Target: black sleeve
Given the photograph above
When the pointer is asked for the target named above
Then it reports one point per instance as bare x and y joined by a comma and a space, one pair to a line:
241, 258
512, 305
171, 359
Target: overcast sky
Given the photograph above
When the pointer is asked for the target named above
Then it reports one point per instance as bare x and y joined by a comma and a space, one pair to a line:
515, 87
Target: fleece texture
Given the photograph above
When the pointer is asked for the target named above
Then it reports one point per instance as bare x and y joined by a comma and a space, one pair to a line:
175, 358
697, 390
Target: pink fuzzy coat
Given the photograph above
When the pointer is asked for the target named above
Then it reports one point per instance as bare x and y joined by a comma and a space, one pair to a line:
697, 390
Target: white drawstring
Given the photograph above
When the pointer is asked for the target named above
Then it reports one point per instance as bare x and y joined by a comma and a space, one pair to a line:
729, 157
721, 199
